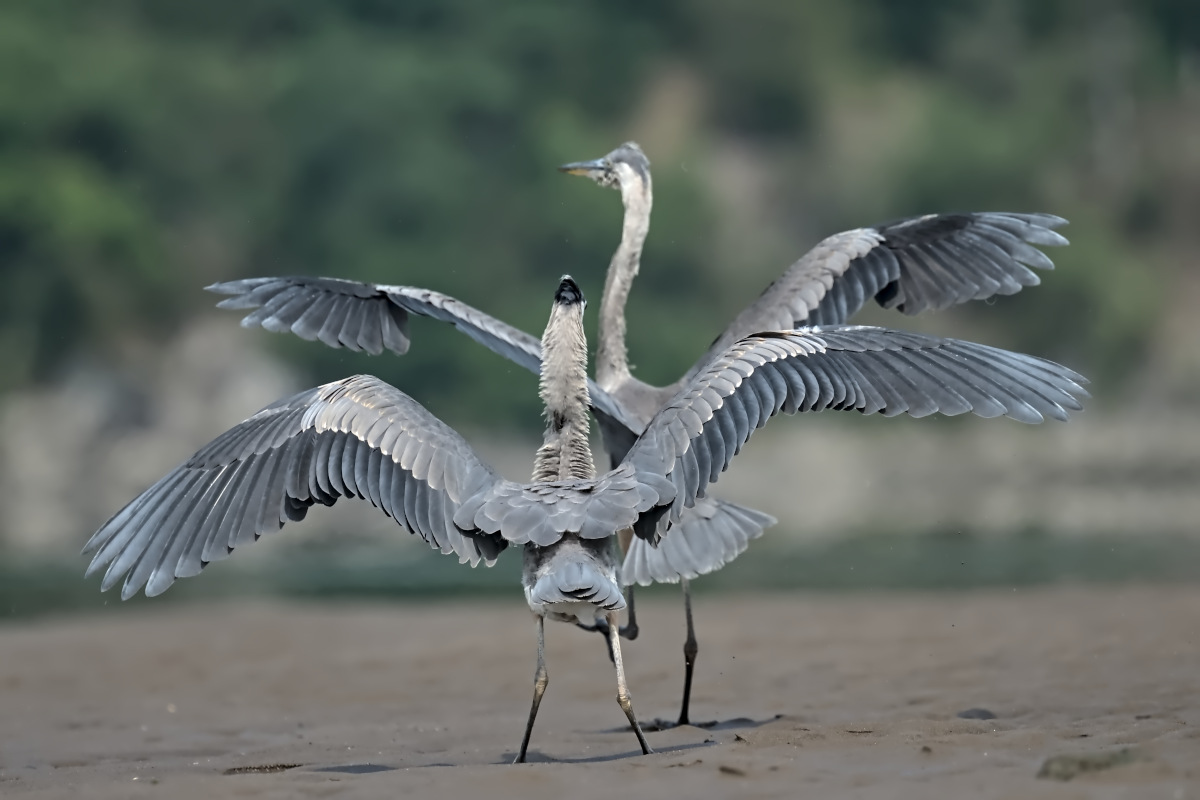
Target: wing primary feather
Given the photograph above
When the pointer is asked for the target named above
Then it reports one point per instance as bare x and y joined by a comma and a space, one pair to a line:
291, 306
158, 540
370, 336
370, 487
986, 374
218, 505
106, 542
723, 436
158, 533
271, 490
339, 310
942, 386
309, 325
704, 461
262, 316
122, 552
412, 489
1010, 367
351, 329
182, 528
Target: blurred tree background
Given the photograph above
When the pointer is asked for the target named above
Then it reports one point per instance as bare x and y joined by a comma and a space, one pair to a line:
150, 147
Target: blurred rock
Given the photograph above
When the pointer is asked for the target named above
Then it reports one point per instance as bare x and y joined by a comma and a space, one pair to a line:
73, 453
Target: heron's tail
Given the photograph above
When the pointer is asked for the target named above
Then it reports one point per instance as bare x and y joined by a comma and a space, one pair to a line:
577, 582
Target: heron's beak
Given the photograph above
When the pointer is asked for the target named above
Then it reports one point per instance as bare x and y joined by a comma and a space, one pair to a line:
588, 168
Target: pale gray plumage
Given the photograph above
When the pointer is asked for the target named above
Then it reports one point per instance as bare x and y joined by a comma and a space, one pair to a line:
358, 437
575, 583
369, 317
361, 437
870, 370
574, 579
712, 534
913, 265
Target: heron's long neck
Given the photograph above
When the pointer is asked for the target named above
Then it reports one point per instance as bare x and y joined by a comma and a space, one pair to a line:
612, 361
565, 453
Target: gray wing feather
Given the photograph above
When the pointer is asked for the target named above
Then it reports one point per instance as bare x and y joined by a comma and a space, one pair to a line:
871, 370
373, 317
358, 437
913, 265
710, 535
540, 513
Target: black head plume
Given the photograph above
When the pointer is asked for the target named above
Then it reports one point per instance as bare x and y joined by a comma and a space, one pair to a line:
568, 293
632, 155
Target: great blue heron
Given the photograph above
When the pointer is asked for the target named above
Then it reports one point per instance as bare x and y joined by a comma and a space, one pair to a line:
914, 265
361, 437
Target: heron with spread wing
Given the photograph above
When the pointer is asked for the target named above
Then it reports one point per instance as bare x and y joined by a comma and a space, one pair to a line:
914, 265
361, 437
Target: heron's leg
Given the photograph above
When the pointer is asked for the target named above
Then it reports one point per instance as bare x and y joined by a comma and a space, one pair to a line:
630, 631
690, 648
540, 680
614, 638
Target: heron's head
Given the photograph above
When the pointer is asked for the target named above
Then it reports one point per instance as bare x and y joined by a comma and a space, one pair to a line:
624, 167
569, 293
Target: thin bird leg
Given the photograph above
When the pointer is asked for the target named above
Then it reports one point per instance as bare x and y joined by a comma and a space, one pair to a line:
690, 649
540, 680
623, 698
630, 631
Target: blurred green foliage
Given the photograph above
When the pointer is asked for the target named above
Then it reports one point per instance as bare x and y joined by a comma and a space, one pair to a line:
149, 147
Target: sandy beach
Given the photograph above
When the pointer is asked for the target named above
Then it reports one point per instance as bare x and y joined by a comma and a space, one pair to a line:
813, 695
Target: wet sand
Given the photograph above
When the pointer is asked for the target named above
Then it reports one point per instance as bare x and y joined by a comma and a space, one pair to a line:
815, 695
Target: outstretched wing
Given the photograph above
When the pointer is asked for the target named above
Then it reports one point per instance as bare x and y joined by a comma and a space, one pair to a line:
918, 264
358, 437
370, 317
871, 370
366, 316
